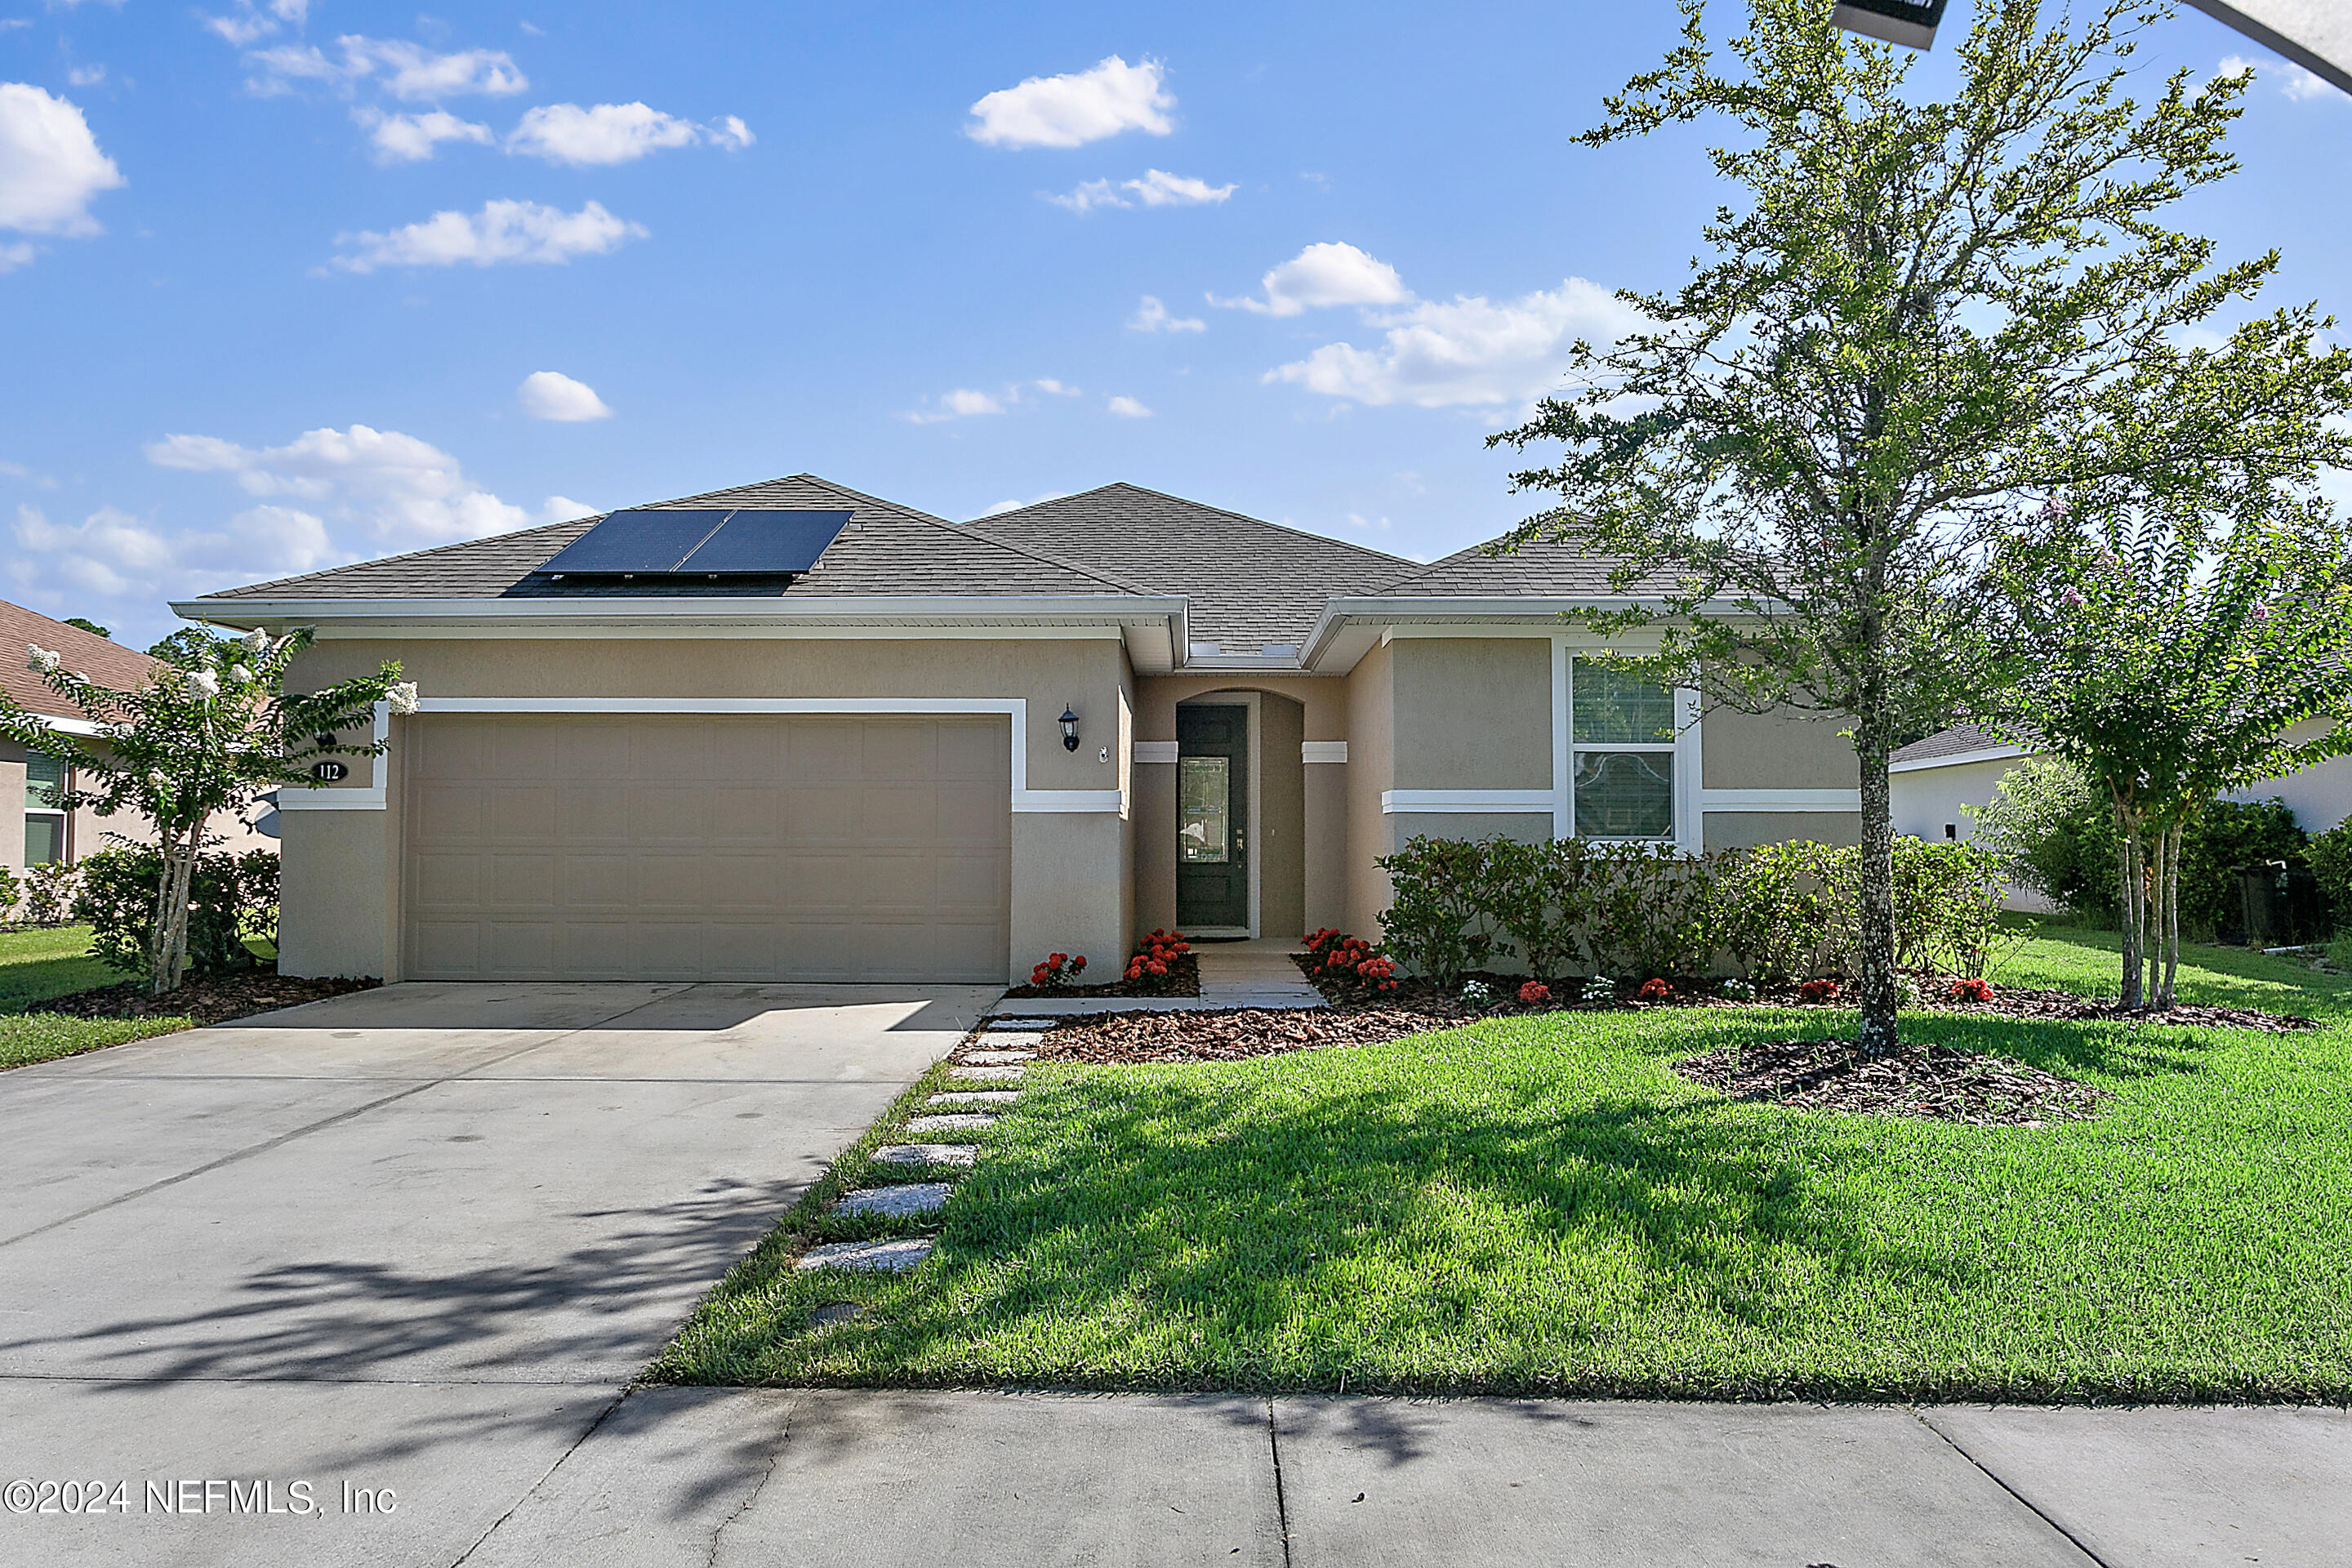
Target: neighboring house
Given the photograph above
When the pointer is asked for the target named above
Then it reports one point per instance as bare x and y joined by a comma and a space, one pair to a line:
33, 780
680, 751
1937, 783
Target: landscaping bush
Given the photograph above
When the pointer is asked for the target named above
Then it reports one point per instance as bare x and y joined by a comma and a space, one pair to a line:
1056, 970
1150, 971
230, 898
2330, 853
48, 893
2225, 835
1349, 960
11, 889
1781, 912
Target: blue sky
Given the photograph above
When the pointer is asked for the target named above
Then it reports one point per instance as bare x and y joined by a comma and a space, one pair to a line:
283, 285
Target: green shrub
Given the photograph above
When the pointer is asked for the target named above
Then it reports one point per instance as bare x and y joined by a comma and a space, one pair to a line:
1440, 915
2225, 835
2330, 853
1781, 912
11, 889
48, 893
2057, 835
231, 898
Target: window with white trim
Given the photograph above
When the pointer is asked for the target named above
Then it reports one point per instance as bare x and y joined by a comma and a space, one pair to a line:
1622, 770
45, 817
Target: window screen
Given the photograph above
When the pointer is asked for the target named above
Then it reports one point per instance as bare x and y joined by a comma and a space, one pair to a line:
1623, 734
1614, 708
45, 781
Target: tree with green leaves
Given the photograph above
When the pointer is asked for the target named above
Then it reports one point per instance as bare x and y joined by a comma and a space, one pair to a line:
208, 731
2169, 663
1923, 320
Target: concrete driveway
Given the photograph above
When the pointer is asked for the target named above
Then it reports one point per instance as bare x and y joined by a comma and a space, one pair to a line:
416, 1237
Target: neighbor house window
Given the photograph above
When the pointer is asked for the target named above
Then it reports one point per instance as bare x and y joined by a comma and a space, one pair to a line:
45, 817
1621, 729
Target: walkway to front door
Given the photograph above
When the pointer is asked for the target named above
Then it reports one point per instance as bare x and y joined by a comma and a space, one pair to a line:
1213, 804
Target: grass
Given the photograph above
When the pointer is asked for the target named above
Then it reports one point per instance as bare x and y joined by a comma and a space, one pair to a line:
37, 964
1537, 1204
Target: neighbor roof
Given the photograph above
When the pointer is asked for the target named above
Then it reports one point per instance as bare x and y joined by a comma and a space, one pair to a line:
1252, 584
1959, 741
1538, 569
86, 653
884, 550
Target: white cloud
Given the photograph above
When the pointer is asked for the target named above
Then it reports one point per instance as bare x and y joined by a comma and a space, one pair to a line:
2232, 68
412, 138
614, 133
12, 256
85, 76
961, 404
1151, 316
1048, 385
502, 231
1076, 108
50, 168
1128, 408
376, 489
1467, 350
1330, 273
1001, 508
1157, 188
250, 22
550, 395
2300, 84
408, 72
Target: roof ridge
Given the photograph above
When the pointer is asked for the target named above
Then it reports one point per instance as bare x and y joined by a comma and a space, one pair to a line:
1205, 506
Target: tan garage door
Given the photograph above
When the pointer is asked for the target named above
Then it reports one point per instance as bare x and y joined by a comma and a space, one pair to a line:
637, 848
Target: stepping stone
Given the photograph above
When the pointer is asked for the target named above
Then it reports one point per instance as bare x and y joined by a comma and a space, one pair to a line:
1025, 1039
1032, 1025
928, 1154
996, 1058
897, 1202
880, 1256
950, 1123
985, 1075
833, 1312
976, 1097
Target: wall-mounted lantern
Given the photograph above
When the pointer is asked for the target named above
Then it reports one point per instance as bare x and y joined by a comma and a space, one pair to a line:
1069, 723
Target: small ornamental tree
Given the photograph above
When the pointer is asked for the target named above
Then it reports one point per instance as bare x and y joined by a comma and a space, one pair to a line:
212, 728
2170, 667
1911, 322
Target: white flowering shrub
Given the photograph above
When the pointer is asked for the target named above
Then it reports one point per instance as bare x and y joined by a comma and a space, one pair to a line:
211, 728
1597, 988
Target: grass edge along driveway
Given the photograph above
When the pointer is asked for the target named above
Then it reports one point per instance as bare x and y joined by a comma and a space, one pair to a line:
1537, 1206
42, 962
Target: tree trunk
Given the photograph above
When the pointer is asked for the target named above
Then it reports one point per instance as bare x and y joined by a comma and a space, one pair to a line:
169, 958
2131, 906
1874, 896
2171, 934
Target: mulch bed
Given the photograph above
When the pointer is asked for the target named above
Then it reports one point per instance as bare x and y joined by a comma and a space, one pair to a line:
208, 999
1127, 1039
1183, 979
1934, 1081
2009, 1002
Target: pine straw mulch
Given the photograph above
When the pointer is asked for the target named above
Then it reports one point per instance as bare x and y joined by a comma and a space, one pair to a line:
1937, 1082
1130, 1039
208, 999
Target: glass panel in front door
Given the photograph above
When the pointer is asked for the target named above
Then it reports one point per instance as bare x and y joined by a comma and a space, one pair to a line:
1204, 794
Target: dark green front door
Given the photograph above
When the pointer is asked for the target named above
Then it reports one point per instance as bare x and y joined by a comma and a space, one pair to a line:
1212, 817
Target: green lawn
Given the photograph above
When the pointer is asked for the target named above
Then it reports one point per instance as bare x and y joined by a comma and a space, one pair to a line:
35, 965
1537, 1204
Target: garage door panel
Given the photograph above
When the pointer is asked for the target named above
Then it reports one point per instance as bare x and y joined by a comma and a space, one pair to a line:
579, 846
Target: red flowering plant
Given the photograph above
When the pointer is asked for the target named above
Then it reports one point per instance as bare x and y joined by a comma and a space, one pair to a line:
1971, 991
1818, 991
1159, 965
1535, 993
1655, 990
1058, 970
1348, 962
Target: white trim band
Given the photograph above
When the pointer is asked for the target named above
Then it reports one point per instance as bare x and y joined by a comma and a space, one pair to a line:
1779, 800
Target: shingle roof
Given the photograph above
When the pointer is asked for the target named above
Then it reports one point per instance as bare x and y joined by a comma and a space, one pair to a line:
1958, 740
108, 663
885, 550
1541, 568
1252, 584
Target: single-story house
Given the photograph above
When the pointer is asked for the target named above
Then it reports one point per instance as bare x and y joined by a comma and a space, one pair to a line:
33, 781
791, 731
1937, 783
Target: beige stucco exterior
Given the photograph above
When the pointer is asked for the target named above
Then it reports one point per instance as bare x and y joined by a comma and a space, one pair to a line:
1444, 714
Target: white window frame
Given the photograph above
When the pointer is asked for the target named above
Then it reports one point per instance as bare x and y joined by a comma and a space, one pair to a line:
65, 767
1683, 748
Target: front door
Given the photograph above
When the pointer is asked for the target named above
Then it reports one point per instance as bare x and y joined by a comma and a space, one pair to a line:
1212, 818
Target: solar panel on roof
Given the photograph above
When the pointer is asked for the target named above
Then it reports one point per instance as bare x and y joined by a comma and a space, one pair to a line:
649, 540
767, 543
